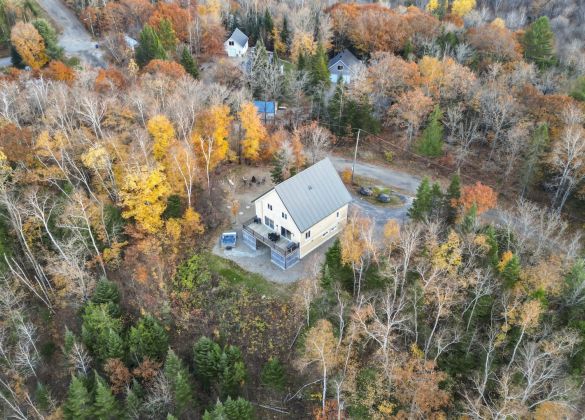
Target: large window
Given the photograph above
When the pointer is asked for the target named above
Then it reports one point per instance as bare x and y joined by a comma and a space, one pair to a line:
284, 216
285, 232
307, 234
269, 222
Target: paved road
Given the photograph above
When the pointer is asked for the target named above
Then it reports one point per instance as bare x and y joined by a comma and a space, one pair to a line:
74, 38
389, 177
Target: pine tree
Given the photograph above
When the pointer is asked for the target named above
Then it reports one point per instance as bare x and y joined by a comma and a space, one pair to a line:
238, 409
52, 48
285, 33
493, 253
468, 222
511, 272
77, 406
268, 26
532, 163
189, 64
431, 141
133, 401
318, 71
178, 376
167, 35
105, 405
232, 371
106, 292
421, 206
436, 201
276, 174
452, 198
273, 372
150, 47
206, 358
538, 42
148, 339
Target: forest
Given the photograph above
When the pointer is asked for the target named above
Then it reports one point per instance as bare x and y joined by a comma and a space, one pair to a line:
116, 181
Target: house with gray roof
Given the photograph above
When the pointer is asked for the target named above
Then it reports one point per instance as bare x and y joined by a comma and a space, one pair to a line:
237, 44
300, 214
344, 65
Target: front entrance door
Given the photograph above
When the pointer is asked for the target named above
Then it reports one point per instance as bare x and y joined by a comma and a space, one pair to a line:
285, 232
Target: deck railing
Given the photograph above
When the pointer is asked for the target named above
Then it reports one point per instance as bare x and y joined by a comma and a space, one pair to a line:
291, 248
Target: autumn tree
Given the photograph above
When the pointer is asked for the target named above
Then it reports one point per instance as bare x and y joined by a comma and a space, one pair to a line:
150, 47
254, 131
480, 195
144, 194
29, 44
462, 7
163, 134
49, 35
210, 137
410, 110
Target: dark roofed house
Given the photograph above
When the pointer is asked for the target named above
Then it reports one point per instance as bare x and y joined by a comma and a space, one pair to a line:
237, 44
343, 65
299, 214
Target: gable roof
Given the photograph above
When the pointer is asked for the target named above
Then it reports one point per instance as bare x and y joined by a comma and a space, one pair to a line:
313, 194
347, 57
239, 37
265, 107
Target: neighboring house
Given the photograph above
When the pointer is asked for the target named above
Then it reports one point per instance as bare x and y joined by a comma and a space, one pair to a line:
343, 65
237, 44
304, 211
130, 42
266, 109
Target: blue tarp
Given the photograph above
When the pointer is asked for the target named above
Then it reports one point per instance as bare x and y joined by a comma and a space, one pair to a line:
265, 107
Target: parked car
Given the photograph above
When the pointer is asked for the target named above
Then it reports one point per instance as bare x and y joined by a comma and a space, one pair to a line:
367, 191
383, 198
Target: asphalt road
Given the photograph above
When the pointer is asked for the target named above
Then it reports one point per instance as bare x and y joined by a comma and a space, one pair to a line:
74, 39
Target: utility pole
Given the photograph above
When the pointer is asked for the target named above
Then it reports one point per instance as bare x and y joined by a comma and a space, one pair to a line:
357, 142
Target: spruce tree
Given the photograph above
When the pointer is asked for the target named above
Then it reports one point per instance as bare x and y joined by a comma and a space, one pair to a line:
511, 272
469, 219
431, 141
105, 405
77, 406
538, 42
285, 32
232, 371
101, 332
206, 358
148, 339
273, 372
238, 409
178, 376
318, 71
106, 292
268, 26
452, 198
189, 64
149, 47
493, 254
166, 34
15, 58
421, 206
276, 174
133, 403
437, 201
301, 62
49, 35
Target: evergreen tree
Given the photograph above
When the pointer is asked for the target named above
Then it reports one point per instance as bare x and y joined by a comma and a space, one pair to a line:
431, 141
301, 62
206, 358
52, 48
178, 376
578, 91
268, 26
437, 201
238, 409
452, 197
101, 332
493, 253
77, 406
273, 372
532, 163
285, 33
468, 222
105, 405
167, 35
189, 63
232, 371
421, 206
318, 71
15, 58
149, 47
148, 339
337, 105
538, 42
106, 292
276, 174
133, 401
511, 272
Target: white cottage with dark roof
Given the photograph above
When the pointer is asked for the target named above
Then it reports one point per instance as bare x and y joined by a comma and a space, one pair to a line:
299, 214
237, 44
343, 66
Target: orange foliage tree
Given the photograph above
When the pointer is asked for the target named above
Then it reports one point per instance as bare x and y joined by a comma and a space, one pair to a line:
57, 70
29, 44
109, 80
482, 196
171, 69
178, 17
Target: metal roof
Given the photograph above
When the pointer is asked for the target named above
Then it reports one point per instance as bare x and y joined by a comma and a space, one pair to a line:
346, 57
313, 194
265, 107
239, 37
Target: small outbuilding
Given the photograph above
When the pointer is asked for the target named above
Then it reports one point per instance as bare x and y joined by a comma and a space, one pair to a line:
300, 214
343, 66
266, 109
237, 44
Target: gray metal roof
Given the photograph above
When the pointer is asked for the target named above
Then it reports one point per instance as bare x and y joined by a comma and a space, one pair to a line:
347, 58
239, 37
313, 194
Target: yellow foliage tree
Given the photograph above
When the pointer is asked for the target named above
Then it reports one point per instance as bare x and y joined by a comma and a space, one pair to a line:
302, 43
279, 46
432, 5
162, 133
29, 44
498, 23
191, 223
462, 7
4, 168
144, 196
447, 256
255, 132
210, 137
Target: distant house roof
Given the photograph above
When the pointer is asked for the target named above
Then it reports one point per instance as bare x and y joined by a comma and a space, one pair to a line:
346, 57
313, 194
265, 107
131, 42
239, 37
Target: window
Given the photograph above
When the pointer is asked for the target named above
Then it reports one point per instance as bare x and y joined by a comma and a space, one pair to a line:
338, 215
285, 232
308, 234
231, 43
269, 222
284, 216
340, 67
269, 206
324, 234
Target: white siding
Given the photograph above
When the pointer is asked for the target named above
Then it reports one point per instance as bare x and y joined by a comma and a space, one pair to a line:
275, 214
323, 230
235, 50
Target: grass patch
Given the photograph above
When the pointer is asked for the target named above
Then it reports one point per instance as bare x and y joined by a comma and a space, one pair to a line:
235, 275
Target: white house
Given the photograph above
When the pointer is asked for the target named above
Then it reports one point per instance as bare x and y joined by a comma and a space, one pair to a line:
343, 65
237, 44
299, 214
